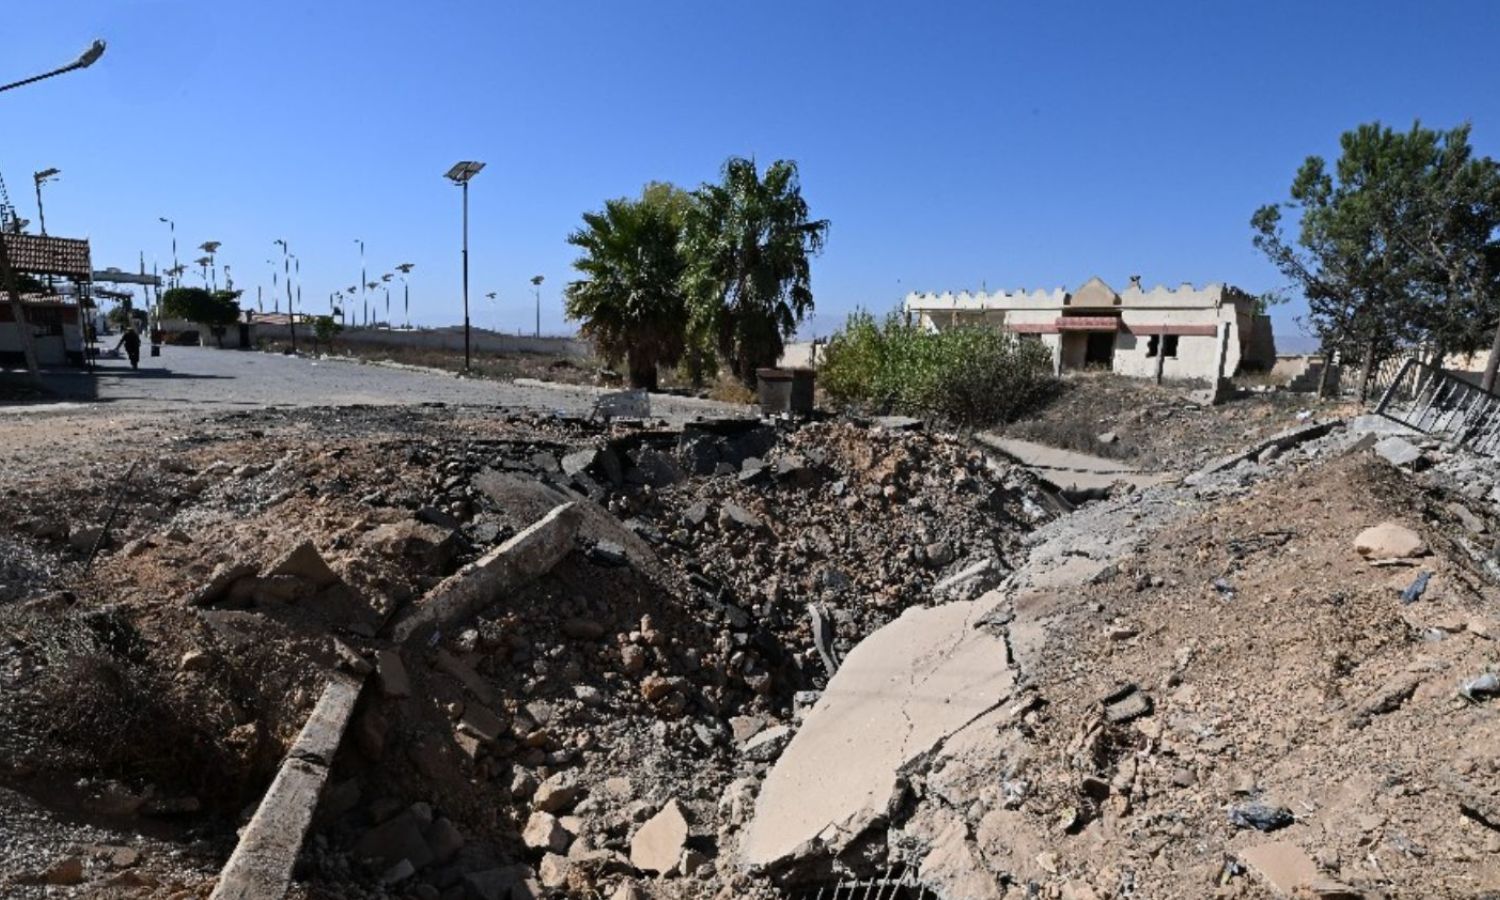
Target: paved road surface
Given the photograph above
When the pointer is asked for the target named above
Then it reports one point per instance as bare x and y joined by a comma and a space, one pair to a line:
202, 380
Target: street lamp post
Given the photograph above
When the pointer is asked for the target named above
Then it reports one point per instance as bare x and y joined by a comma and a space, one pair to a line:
173, 226
211, 249
41, 178
536, 284
385, 282
286, 265
363, 300
405, 270
460, 175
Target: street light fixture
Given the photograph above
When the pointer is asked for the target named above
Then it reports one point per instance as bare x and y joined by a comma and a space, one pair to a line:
286, 265
85, 59
460, 175
211, 248
173, 226
405, 270
41, 178
365, 302
536, 284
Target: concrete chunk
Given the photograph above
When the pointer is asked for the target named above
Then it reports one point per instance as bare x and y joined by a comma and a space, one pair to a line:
305, 562
658, 845
901, 691
1283, 866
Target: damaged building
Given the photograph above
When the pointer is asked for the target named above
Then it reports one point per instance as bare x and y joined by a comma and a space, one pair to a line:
1180, 333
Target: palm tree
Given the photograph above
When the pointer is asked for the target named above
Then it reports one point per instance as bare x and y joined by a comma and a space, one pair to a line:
630, 297
748, 240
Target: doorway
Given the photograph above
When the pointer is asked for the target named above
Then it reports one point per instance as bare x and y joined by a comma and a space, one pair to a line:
1099, 352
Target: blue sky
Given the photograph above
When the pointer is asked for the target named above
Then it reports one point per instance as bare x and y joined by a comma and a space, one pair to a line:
952, 145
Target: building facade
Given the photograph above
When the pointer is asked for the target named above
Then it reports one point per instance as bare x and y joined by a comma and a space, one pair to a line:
1178, 333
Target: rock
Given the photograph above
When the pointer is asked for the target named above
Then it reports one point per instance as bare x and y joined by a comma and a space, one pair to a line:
1108, 437
557, 793
505, 883
657, 847
223, 578
1260, 816
429, 547
768, 744
481, 723
939, 554
628, 890
691, 861
398, 838
632, 659
746, 727
554, 870
1389, 540
66, 871
732, 516
1126, 705
544, 832
305, 562
609, 553
1283, 866
398, 873
445, 840
350, 660
655, 687
1398, 451
395, 683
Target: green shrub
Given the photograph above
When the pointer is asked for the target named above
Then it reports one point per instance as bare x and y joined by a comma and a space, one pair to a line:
966, 375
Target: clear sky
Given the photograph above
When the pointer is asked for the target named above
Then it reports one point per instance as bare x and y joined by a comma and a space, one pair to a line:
952, 145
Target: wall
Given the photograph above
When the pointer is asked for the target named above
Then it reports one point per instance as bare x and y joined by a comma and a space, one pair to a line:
438, 339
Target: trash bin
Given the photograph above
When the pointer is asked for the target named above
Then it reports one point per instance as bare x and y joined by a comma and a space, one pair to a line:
785, 391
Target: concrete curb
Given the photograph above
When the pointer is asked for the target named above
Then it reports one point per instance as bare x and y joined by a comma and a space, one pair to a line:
261, 866
530, 553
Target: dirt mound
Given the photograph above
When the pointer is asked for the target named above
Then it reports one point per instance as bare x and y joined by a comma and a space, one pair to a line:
1281, 670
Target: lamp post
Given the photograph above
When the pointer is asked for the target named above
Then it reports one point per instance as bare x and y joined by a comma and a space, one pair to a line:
85, 59
460, 175
203, 261
386, 283
173, 226
363, 300
41, 178
405, 270
286, 266
536, 284
211, 248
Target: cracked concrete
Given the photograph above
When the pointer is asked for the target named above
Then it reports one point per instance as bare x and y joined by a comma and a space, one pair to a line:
901, 693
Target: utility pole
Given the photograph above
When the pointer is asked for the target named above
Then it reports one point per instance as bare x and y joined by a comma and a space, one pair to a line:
286, 265
362, 297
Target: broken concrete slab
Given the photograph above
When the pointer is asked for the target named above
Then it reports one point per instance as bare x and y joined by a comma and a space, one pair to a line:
223, 578
305, 562
1283, 866
901, 692
430, 547
1069, 470
261, 865
1389, 540
526, 499
528, 554
658, 845
1398, 451
395, 683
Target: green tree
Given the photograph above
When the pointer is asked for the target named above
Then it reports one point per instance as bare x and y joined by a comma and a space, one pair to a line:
1396, 247
216, 310
748, 241
630, 298
325, 328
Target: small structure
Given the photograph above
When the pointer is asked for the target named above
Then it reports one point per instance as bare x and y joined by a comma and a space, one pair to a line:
1180, 333
58, 278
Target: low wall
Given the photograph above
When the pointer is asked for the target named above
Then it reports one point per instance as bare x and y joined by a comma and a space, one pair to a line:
438, 339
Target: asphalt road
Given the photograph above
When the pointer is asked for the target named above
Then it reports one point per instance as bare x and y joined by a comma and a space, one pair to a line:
193, 379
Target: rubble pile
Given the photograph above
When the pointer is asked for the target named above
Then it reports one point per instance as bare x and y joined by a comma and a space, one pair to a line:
599, 727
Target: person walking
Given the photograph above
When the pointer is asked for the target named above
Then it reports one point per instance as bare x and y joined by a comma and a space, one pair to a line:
131, 341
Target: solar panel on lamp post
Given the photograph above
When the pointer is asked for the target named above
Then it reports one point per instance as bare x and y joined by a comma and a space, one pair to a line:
460, 175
